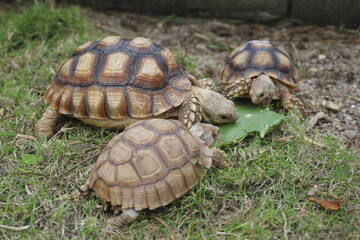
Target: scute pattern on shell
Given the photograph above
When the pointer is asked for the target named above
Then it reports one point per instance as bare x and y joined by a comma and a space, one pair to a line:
259, 57
118, 78
148, 165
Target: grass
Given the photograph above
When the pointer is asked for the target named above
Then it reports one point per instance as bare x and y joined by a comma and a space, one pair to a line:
261, 195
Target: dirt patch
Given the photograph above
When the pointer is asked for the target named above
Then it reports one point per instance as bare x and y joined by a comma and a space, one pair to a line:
328, 58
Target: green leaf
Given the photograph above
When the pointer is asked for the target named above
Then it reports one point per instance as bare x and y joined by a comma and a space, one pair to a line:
31, 158
251, 119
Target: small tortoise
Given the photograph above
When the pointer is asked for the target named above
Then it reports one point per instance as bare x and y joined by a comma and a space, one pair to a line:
151, 164
263, 71
117, 81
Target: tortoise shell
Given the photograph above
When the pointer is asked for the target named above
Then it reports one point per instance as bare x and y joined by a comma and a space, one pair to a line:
260, 57
118, 78
150, 164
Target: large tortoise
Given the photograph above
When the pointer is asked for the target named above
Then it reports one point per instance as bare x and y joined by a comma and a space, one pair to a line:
264, 72
117, 81
151, 164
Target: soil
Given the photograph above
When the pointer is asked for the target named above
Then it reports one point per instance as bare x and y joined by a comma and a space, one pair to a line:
328, 59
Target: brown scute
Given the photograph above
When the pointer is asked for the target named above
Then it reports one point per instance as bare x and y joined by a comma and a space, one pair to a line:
152, 196
149, 166
162, 125
260, 44
127, 199
121, 153
240, 62
107, 174
190, 174
190, 142
177, 182
170, 60
79, 102
84, 71
262, 59
181, 82
140, 104
83, 47
161, 105
101, 159
115, 195
96, 104
115, 69
101, 190
149, 75
127, 176
165, 194
259, 57
140, 44
173, 151
51, 89
140, 201
175, 96
140, 136
64, 69
65, 104
117, 102
108, 43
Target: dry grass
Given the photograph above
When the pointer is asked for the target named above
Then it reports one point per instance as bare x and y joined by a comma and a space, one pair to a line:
261, 195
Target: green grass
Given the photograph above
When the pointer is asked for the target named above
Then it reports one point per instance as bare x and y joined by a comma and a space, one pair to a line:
261, 195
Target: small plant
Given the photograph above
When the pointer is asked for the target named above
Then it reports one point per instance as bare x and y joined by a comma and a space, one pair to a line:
41, 22
186, 62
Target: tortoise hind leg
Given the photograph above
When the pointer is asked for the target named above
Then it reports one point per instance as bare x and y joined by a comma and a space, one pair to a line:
190, 111
44, 127
290, 102
239, 88
127, 216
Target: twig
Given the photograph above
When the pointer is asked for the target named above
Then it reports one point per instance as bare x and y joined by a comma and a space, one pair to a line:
28, 137
15, 228
285, 227
314, 120
108, 29
314, 142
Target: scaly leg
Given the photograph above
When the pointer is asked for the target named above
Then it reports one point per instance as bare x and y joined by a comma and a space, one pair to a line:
190, 111
206, 83
44, 127
127, 216
239, 88
290, 102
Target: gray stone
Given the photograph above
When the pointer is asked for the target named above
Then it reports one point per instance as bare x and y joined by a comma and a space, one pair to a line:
327, 12
350, 134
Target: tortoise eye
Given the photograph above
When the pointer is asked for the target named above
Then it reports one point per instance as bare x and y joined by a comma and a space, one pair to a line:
261, 95
223, 117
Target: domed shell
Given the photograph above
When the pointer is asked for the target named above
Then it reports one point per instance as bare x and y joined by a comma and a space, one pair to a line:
260, 57
148, 165
118, 78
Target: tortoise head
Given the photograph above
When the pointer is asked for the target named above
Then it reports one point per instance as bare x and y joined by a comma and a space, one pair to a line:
262, 90
217, 109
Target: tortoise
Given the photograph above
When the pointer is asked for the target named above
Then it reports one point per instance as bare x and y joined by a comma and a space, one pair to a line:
264, 72
151, 164
116, 81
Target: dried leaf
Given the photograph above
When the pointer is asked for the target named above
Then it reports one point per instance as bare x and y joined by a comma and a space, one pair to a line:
1, 112
335, 205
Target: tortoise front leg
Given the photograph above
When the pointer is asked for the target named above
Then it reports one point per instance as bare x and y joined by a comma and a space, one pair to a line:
190, 111
206, 83
44, 127
239, 88
127, 216
290, 102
